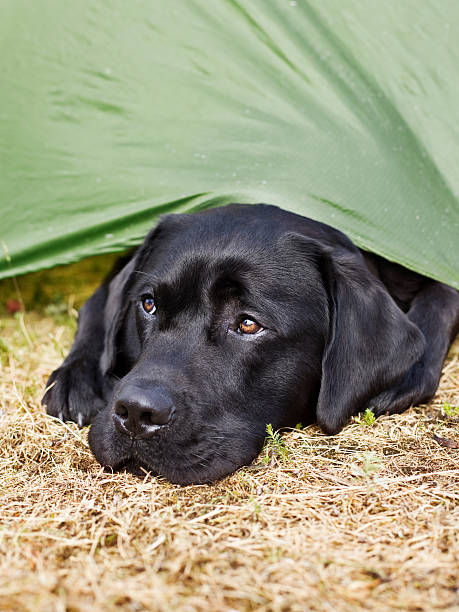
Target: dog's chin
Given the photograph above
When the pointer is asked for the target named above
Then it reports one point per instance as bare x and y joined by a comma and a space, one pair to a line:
135, 467
117, 453
174, 474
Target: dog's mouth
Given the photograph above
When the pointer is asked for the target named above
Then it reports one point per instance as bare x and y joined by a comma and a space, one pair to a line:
183, 461
174, 474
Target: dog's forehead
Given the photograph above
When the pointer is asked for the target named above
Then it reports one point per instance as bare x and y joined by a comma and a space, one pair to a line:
191, 254
235, 240
233, 226
243, 226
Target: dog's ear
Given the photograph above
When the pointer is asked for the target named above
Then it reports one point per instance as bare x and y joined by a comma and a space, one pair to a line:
118, 302
371, 343
115, 310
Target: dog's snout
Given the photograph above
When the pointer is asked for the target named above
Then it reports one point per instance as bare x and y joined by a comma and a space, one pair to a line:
140, 411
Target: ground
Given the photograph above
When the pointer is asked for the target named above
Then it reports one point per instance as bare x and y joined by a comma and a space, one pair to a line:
364, 520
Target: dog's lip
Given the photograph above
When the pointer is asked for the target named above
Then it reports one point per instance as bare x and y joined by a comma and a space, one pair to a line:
134, 464
141, 469
175, 474
152, 431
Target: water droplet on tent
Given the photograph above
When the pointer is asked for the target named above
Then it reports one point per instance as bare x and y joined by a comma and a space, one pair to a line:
417, 217
108, 71
264, 182
234, 174
108, 236
203, 156
98, 179
292, 3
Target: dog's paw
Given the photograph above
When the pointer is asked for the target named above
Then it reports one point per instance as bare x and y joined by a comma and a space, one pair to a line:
71, 392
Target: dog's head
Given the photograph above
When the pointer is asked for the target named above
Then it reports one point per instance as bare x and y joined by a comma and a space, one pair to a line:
227, 320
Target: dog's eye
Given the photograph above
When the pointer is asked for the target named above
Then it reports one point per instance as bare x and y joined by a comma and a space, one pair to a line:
247, 326
148, 304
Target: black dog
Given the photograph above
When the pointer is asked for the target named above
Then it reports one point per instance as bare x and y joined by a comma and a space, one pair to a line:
227, 320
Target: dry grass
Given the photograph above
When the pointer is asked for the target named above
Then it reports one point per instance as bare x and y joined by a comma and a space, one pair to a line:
365, 520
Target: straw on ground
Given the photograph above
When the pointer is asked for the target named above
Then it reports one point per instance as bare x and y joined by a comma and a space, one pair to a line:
365, 520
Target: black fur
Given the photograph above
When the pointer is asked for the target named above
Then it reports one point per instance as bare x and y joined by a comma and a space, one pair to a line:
343, 330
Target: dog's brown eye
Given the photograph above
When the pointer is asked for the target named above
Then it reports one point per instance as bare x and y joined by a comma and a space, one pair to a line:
247, 326
148, 304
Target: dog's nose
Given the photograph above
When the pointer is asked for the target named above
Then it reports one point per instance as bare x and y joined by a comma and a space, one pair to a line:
141, 411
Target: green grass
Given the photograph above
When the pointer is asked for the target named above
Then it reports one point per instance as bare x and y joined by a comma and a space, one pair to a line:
368, 418
57, 290
450, 411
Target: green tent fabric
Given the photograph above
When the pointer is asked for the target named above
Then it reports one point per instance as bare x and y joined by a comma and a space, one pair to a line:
113, 112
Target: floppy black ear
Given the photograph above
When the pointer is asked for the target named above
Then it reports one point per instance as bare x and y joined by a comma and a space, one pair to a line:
371, 343
115, 310
118, 302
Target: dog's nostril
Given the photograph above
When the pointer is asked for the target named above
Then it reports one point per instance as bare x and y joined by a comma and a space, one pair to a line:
122, 411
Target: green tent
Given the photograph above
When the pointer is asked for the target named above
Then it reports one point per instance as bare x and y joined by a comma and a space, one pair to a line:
113, 112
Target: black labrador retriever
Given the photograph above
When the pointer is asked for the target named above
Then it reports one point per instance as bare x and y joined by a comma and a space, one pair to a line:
226, 320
